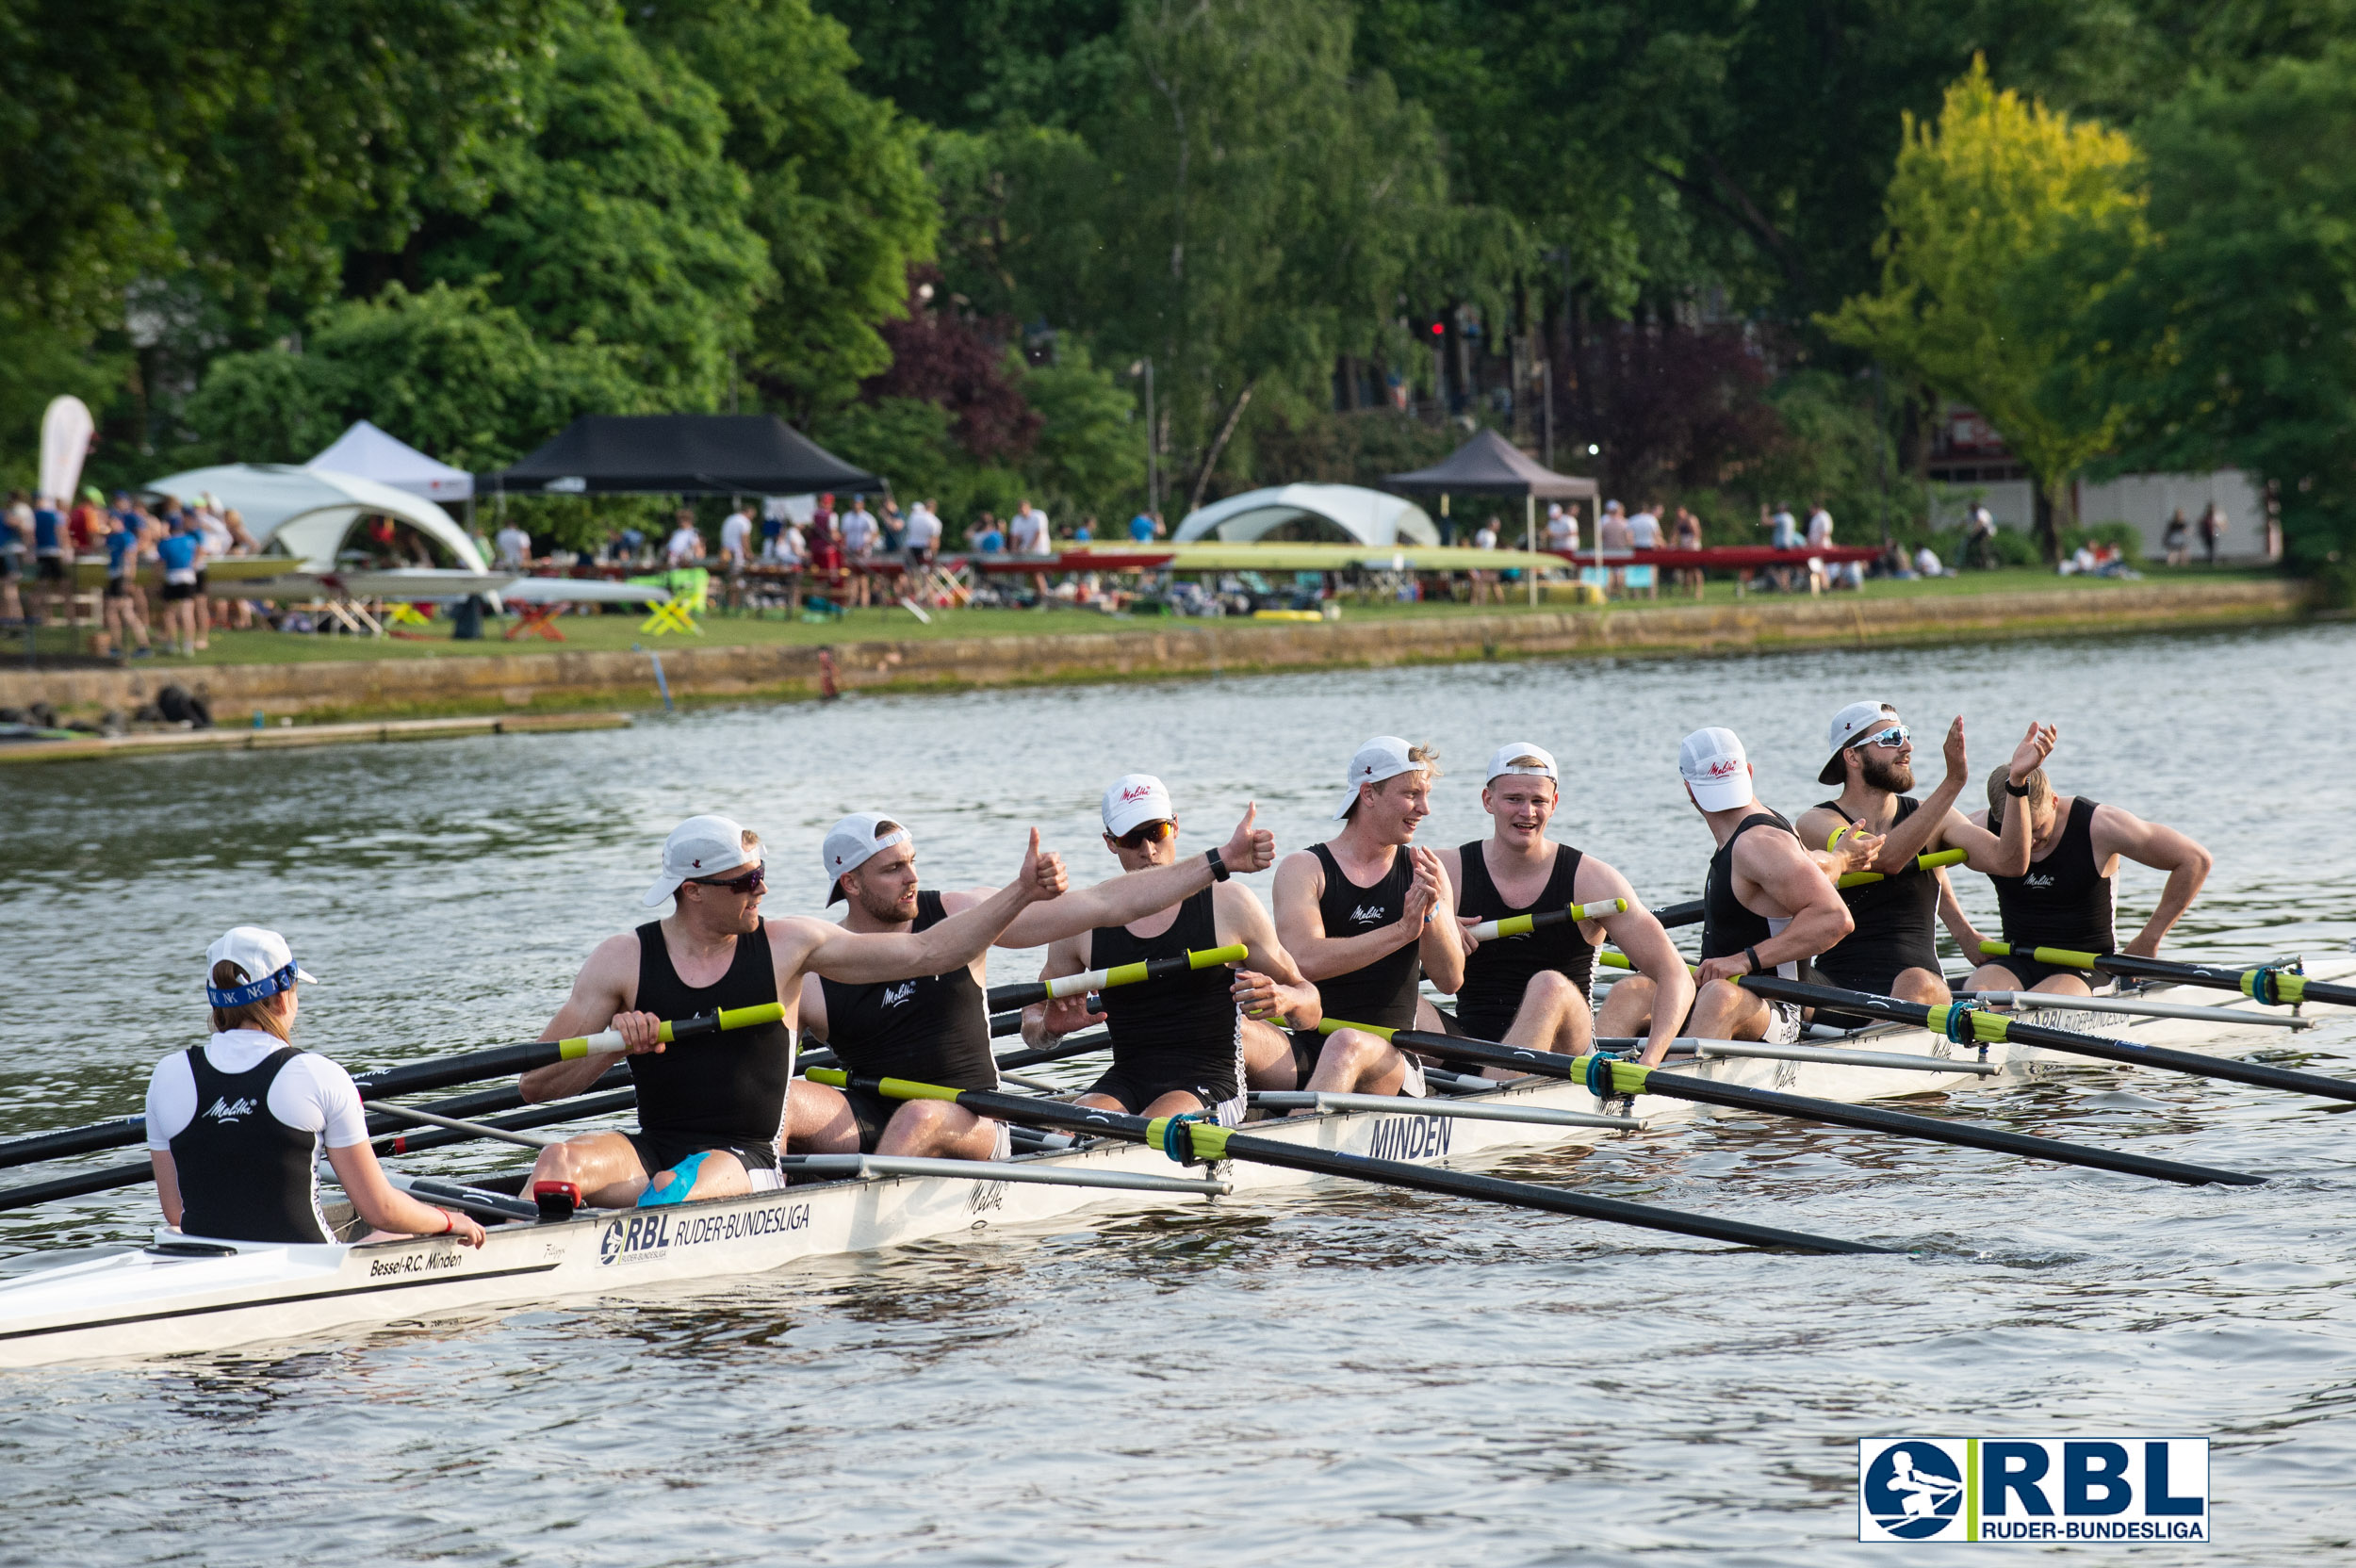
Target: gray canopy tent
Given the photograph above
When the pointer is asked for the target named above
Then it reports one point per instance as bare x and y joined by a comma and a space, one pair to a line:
1488, 464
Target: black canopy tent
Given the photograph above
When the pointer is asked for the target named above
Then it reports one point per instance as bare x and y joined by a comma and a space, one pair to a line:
1488, 464
680, 454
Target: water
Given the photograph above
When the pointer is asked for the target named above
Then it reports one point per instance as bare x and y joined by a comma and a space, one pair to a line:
1350, 1377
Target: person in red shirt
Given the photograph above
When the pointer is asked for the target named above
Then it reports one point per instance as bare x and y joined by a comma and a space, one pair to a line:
826, 542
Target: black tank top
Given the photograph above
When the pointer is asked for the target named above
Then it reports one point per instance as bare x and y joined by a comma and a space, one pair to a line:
1895, 923
1183, 1027
2063, 900
1383, 992
1498, 972
934, 1029
729, 1086
244, 1174
1728, 925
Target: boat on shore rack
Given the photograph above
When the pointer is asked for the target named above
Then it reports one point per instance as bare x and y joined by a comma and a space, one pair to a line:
184, 1294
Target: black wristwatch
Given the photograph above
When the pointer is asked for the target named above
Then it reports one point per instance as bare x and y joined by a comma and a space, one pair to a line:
2016, 791
1752, 954
1219, 867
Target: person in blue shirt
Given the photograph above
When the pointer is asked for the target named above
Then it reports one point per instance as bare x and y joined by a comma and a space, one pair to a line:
52, 564
1145, 528
123, 610
988, 538
181, 551
15, 533
1085, 532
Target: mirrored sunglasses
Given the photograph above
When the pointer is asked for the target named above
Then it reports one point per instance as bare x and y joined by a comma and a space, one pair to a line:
1147, 833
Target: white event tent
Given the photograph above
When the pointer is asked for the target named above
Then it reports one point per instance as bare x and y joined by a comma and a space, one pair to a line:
368, 452
304, 512
1359, 516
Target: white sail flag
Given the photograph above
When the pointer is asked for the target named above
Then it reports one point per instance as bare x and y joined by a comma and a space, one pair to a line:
65, 433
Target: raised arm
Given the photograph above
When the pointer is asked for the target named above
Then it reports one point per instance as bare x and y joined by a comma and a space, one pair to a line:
1139, 893
601, 990
2117, 832
1776, 864
2005, 854
1635, 932
860, 958
1269, 985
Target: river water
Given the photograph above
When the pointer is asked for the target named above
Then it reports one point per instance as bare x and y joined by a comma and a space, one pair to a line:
1338, 1378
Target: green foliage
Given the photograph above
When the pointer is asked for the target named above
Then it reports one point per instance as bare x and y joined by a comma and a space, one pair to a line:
2230, 337
1089, 457
1996, 186
1833, 449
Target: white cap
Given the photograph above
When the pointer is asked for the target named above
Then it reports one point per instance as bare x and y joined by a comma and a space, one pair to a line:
1384, 757
699, 847
267, 961
852, 842
1712, 761
1507, 761
1136, 798
1847, 725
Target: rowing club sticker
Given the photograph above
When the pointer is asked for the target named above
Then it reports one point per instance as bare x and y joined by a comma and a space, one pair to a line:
2056, 1489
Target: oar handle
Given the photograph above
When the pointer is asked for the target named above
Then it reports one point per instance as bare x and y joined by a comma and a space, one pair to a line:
672, 1031
1922, 862
2274, 985
1004, 997
1522, 926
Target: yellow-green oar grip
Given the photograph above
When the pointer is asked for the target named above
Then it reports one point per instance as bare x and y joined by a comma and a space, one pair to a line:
1326, 1026
2287, 987
1209, 1139
833, 1077
1627, 1078
1614, 960
1235, 953
1120, 974
572, 1050
1922, 862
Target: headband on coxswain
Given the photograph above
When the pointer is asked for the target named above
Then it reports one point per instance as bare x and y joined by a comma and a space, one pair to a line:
852, 842
256, 952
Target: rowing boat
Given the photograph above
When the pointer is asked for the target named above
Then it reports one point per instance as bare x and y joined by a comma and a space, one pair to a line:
183, 1295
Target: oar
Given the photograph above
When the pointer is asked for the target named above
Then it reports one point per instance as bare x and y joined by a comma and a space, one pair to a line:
1607, 1077
1965, 1023
1004, 997
472, 1129
1522, 926
2240, 1018
1690, 912
407, 1078
2271, 984
1190, 1141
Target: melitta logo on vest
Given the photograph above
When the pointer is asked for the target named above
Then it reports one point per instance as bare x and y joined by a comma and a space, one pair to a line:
228, 1110
2037, 879
1367, 914
2050, 1489
894, 995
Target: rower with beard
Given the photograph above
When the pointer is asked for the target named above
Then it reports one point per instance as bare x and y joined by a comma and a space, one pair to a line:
1768, 903
711, 1113
935, 1028
1356, 912
2067, 896
1187, 1043
1532, 990
1893, 949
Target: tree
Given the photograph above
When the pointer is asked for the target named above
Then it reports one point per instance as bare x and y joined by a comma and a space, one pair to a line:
2229, 336
1993, 187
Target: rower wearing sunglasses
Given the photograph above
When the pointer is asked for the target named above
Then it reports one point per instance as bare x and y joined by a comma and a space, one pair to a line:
934, 1027
1893, 949
1187, 1043
711, 1113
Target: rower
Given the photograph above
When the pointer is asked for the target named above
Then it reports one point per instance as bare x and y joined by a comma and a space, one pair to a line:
235, 1126
712, 1114
1532, 991
1188, 1043
934, 1028
2067, 897
1769, 904
1356, 914
1893, 949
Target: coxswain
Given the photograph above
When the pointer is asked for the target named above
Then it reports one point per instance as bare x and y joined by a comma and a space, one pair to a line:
712, 1114
1356, 912
235, 1126
1532, 991
2066, 898
1768, 905
934, 1028
1188, 1043
1893, 949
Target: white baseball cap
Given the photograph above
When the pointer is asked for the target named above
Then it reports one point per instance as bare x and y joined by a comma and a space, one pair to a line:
1135, 798
1384, 757
1713, 763
852, 842
1509, 760
699, 847
267, 961
1847, 725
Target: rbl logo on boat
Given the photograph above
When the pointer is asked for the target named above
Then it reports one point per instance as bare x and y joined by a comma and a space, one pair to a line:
2049, 1489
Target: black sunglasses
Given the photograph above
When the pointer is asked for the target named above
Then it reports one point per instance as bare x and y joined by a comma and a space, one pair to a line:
752, 881
1147, 833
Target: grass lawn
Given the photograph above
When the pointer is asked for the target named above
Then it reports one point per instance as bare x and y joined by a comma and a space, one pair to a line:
619, 632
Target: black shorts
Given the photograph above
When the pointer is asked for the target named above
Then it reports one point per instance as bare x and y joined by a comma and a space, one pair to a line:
52, 568
660, 1151
176, 593
2029, 973
1306, 1044
1135, 1091
872, 1113
117, 587
10, 567
1476, 1023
